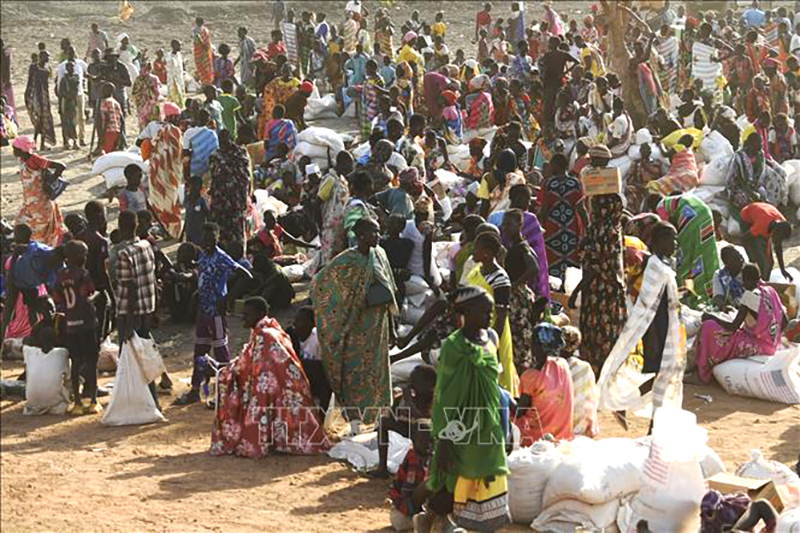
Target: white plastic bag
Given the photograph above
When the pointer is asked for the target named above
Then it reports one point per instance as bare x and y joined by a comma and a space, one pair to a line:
529, 470
597, 472
714, 145
361, 451
775, 378
148, 357
401, 370
46, 373
131, 401
673, 481
109, 356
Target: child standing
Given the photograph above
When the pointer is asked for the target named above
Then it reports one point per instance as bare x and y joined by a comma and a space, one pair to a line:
74, 293
223, 66
211, 332
132, 198
68, 91
306, 345
110, 123
439, 27
584, 385
196, 211
160, 67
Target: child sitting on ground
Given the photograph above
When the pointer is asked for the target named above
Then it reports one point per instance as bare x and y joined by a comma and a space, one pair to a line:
412, 406
304, 340
408, 492
132, 197
271, 238
74, 293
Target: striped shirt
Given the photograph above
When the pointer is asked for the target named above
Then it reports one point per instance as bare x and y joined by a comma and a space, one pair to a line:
203, 142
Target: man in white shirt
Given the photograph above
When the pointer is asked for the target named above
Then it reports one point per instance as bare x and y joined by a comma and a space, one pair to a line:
794, 47
80, 71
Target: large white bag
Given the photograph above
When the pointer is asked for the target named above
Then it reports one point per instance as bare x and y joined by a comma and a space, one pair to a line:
118, 159
716, 171
759, 468
131, 401
775, 379
714, 145
597, 472
673, 481
322, 137
529, 470
45, 392
567, 515
317, 107
361, 451
314, 151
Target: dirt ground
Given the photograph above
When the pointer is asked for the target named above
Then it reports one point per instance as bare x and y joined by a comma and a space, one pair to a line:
67, 474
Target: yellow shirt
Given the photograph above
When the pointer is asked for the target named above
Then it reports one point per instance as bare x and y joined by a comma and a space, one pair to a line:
409, 55
438, 29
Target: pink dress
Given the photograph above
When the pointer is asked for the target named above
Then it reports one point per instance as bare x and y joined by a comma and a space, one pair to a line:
551, 393
718, 345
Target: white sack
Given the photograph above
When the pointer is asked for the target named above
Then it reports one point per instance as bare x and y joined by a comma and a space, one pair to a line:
131, 401
567, 515
46, 373
530, 468
322, 137
775, 378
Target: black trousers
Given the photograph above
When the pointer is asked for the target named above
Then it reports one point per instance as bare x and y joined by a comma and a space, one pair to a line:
83, 353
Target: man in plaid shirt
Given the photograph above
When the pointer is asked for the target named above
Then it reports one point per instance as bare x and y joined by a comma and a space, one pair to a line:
136, 283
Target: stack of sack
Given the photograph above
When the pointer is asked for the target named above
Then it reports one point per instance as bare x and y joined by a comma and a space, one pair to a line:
314, 142
112, 167
600, 485
787, 482
324, 107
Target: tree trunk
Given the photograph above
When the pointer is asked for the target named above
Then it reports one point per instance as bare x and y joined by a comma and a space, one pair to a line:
620, 59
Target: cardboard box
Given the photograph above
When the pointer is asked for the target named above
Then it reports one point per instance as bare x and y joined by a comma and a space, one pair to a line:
757, 489
597, 181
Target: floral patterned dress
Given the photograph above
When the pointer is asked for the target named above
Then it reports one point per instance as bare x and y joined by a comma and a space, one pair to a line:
230, 191
38, 210
265, 400
334, 193
603, 308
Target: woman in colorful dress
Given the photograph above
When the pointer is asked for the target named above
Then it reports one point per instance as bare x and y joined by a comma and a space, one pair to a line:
354, 299
756, 330
357, 207
333, 194
371, 90
560, 199
479, 104
203, 52
279, 130
277, 92
642, 172
697, 257
145, 94
166, 172
468, 472
229, 167
38, 210
265, 399
37, 100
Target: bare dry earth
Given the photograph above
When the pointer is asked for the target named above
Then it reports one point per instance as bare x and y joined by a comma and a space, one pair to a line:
68, 474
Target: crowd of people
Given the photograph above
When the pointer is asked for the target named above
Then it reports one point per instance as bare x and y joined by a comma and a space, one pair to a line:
536, 105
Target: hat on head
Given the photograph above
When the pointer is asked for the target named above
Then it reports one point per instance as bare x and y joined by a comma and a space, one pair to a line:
307, 87
601, 151
463, 295
409, 36
549, 338
24, 143
770, 62
171, 109
110, 52
409, 175
312, 169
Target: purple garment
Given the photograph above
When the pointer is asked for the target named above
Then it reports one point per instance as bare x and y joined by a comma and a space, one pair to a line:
433, 84
531, 232
718, 513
